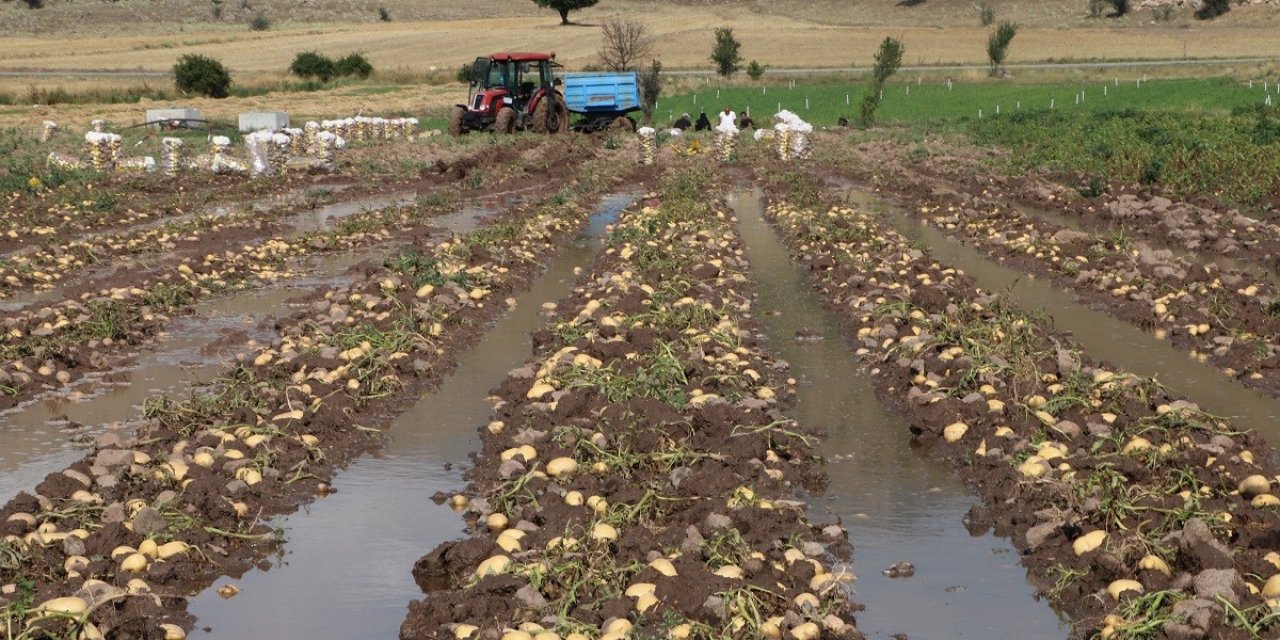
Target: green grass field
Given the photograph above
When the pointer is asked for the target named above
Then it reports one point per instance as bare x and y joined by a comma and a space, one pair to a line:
908, 102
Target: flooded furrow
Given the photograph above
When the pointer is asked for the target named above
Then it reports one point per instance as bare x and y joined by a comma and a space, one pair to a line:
47, 434
349, 556
898, 507
1119, 343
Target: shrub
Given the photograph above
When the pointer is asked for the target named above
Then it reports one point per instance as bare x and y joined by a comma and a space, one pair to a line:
986, 14
1121, 7
1163, 13
310, 64
259, 23
1096, 7
755, 70
464, 73
34, 4
195, 73
650, 89
1212, 9
383, 14
354, 64
215, 7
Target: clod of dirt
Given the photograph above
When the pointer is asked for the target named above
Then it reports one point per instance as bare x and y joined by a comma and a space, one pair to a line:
1206, 551
903, 569
1227, 583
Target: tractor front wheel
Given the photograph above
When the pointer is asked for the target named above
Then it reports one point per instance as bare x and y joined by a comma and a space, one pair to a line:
456, 125
505, 122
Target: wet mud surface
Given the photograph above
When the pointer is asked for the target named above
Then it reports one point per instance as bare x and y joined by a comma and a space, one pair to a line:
1135, 512
602, 509
144, 520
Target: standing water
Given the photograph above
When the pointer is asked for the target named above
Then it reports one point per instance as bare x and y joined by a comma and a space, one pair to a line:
1124, 345
349, 556
897, 506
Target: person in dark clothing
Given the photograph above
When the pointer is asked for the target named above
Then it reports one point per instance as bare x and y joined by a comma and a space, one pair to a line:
745, 122
703, 124
682, 123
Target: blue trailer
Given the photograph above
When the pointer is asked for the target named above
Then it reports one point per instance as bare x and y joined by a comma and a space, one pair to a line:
602, 99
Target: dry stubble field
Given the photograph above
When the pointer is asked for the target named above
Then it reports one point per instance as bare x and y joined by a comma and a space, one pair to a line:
442, 36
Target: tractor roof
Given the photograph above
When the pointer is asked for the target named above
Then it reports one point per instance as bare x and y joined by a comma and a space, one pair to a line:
522, 56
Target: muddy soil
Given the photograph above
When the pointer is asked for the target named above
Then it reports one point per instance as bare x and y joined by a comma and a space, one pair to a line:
640, 470
204, 473
1216, 297
54, 344
1136, 513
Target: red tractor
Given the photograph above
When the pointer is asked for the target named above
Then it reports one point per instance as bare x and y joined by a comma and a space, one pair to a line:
512, 92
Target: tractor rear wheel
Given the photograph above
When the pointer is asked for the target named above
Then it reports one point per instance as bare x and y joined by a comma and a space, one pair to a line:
456, 126
551, 115
505, 122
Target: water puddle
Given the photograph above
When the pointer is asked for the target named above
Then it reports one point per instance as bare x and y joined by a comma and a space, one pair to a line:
349, 556
49, 433
1122, 344
897, 506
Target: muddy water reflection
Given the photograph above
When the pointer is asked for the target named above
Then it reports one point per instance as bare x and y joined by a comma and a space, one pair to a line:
347, 569
896, 505
42, 437
48, 434
1119, 343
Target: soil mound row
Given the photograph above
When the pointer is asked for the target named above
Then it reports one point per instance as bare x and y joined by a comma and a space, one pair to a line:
1136, 513
639, 477
49, 346
110, 546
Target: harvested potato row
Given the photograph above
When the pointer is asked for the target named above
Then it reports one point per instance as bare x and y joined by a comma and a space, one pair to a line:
103, 546
1136, 512
1218, 314
639, 476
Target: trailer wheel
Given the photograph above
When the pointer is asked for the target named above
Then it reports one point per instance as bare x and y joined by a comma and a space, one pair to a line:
623, 123
505, 121
456, 126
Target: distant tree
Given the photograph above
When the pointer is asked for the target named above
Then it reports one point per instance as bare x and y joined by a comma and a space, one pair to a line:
195, 73
565, 6
309, 64
726, 55
755, 70
353, 65
986, 14
464, 73
34, 4
624, 44
1096, 7
215, 6
998, 46
1121, 7
384, 14
888, 58
259, 23
1212, 9
650, 89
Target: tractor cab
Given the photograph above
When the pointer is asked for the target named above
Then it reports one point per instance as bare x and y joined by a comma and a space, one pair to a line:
519, 82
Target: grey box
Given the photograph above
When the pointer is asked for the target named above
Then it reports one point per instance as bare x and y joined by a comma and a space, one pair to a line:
257, 120
184, 117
